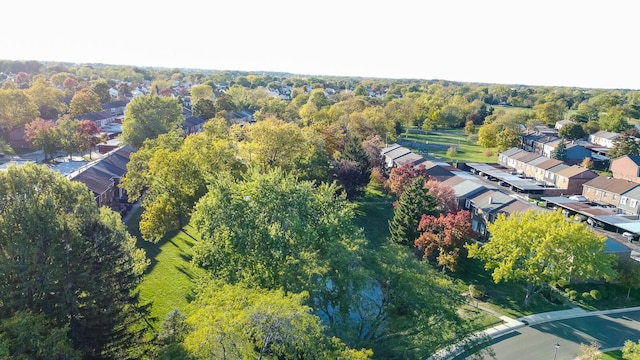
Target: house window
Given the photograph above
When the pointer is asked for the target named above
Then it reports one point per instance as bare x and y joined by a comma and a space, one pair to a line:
474, 225
597, 192
633, 203
467, 204
604, 194
623, 200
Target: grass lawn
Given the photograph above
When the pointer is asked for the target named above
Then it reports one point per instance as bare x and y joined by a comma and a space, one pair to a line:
168, 282
612, 355
506, 298
434, 145
373, 212
478, 318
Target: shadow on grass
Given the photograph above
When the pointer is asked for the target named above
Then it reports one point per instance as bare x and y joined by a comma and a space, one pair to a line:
505, 297
151, 249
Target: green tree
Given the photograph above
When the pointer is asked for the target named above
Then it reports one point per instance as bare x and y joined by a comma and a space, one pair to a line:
276, 232
148, 116
628, 275
83, 102
452, 152
67, 131
631, 350
101, 88
236, 321
173, 182
542, 247
355, 152
550, 112
573, 131
31, 336
17, 108
273, 143
507, 139
205, 109
614, 120
560, 152
42, 134
201, 91
414, 202
69, 261
488, 136
624, 144
48, 99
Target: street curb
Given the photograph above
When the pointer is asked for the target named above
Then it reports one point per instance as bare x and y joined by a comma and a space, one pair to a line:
511, 325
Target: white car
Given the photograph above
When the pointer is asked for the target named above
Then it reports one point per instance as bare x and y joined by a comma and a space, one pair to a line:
631, 236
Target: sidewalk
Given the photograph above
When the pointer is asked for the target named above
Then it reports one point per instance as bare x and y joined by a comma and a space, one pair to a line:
511, 325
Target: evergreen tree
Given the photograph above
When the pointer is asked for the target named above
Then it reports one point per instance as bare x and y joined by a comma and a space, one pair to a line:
354, 151
65, 259
414, 202
560, 152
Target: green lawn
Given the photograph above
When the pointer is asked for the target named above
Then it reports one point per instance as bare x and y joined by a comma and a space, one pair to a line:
613, 355
373, 212
434, 145
168, 282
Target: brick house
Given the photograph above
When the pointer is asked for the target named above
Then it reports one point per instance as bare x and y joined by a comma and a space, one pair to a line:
626, 167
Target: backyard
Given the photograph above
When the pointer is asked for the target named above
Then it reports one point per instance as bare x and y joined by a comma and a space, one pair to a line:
434, 145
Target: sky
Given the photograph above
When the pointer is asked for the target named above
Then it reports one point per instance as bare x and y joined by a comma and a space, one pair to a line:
588, 44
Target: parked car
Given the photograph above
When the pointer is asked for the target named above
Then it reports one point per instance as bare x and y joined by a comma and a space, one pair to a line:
630, 236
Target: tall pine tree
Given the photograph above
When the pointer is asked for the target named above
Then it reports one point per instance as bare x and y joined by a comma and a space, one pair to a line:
414, 202
353, 182
63, 258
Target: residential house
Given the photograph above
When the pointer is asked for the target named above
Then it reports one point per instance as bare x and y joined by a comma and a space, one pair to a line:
603, 138
408, 158
242, 117
486, 205
193, 125
103, 176
396, 155
561, 123
102, 118
116, 108
535, 142
606, 190
572, 178
17, 139
551, 174
630, 202
626, 167
574, 153
543, 167
440, 171
466, 188
507, 158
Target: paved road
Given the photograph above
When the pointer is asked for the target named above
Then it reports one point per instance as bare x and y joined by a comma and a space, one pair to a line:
537, 341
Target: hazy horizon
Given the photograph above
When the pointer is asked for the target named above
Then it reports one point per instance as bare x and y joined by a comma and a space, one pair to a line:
564, 44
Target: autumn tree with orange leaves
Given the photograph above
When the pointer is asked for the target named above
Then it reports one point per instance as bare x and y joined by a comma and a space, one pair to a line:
443, 237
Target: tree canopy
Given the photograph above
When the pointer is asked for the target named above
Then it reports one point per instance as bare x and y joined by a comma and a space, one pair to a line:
236, 321
146, 117
275, 231
69, 261
543, 247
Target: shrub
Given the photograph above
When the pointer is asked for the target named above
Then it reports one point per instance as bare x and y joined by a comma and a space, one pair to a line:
488, 153
595, 294
586, 295
573, 294
476, 291
562, 283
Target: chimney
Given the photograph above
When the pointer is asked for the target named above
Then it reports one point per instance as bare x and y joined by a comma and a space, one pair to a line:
490, 200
